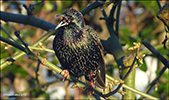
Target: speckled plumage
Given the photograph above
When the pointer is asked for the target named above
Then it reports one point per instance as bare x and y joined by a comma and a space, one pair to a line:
78, 48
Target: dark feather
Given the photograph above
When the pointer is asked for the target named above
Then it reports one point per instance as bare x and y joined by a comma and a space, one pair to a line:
79, 49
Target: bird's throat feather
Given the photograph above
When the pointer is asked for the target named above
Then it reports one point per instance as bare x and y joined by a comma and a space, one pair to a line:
75, 38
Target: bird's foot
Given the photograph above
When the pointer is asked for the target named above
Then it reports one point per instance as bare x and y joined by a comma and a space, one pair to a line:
91, 85
66, 74
91, 88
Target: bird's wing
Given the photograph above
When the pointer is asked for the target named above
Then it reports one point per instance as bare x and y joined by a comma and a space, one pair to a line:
102, 67
100, 77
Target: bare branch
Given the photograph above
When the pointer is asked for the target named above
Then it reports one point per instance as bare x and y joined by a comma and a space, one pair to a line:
24, 19
156, 53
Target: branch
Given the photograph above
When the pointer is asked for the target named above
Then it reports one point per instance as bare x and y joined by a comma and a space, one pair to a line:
8, 34
117, 18
112, 44
161, 58
17, 56
24, 19
45, 62
133, 90
159, 5
16, 45
150, 86
31, 20
90, 7
58, 70
156, 47
156, 52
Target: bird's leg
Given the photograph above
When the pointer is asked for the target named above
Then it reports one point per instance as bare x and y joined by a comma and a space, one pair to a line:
91, 85
66, 74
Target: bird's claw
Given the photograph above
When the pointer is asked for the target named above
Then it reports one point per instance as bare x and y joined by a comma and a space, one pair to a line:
66, 74
91, 89
91, 85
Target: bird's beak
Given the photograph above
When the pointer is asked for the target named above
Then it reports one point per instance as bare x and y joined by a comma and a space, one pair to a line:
62, 23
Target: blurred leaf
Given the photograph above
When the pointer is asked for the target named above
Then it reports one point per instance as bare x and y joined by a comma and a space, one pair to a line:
38, 92
162, 88
67, 4
162, 91
49, 6
143, 66
26, 35
163, 51
146, 33
150, 5
16, 70
7, 28
126, 36
125, 33
4, 54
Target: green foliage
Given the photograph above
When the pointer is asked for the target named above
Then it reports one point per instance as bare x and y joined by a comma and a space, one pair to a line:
146, 33
151, 5
49, 6
14, 69
143, 67
37, 92
126, 33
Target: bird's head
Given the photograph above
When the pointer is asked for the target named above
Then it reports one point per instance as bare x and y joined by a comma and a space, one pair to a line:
71, 16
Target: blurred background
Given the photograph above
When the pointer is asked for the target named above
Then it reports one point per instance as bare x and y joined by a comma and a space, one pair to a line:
138, 21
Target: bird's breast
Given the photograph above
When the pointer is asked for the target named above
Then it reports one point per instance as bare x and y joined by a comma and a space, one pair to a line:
75, 38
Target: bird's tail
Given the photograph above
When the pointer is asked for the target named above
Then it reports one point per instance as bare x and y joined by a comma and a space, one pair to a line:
100, 76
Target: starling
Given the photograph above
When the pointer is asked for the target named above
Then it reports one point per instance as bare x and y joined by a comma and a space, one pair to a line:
79, 49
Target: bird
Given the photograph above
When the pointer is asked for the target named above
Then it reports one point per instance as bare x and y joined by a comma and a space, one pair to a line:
79, 50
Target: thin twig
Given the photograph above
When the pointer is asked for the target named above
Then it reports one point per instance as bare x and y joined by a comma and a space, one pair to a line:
14, 44
31, 7
36, 71
17, 56
41, 49
159, 5
8, 34
110, 21
117, 17
17, 33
